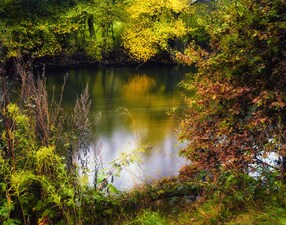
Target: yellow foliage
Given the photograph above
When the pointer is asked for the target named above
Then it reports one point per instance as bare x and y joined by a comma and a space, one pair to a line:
46, 158
151, 7
13, 53
45, 153
14, 112
140, 46
178, 5
139, 85
152, 23
20, 180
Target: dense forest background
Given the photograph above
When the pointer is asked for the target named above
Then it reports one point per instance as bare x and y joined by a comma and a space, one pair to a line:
114, 30
233, 124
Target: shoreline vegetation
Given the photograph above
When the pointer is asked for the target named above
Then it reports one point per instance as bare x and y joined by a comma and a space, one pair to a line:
234, 120
57, 62
68, 63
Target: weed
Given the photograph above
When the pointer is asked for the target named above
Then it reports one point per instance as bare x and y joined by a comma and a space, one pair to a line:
148, 217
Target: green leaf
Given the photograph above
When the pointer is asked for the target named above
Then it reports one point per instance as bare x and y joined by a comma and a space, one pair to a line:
11, 221
100, 177
113, 189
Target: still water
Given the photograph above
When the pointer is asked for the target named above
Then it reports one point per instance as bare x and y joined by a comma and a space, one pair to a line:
148, 94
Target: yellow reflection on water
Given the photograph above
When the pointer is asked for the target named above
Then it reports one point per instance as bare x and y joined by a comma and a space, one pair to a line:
150, 117
139, 84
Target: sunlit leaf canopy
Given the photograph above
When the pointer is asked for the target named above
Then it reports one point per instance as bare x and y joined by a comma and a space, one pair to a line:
152, 24
94, 28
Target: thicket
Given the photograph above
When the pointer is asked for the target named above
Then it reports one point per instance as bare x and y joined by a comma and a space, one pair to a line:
43, 179
234, 124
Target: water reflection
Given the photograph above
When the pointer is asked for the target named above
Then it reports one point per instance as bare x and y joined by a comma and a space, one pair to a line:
147, 94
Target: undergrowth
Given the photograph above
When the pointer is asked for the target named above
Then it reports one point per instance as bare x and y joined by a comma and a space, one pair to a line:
39, 163
232, 199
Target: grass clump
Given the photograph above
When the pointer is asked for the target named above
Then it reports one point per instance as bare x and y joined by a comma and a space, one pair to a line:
148, 217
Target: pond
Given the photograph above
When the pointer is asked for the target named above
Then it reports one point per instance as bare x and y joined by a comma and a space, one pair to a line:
146, 95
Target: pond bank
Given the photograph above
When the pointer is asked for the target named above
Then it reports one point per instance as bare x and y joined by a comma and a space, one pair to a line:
117, 58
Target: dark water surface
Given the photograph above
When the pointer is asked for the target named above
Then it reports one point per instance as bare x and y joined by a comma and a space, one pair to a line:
148, 94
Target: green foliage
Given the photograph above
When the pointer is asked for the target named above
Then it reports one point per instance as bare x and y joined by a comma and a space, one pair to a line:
38, 184
98, 29
211, 213
41, 28
27, 28
31, 178
92, 27
269, 215
148, 217
234, 198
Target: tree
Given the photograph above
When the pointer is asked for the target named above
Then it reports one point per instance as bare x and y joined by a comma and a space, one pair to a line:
152, 24
236, 102
110, 18
40, 28
29, 27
